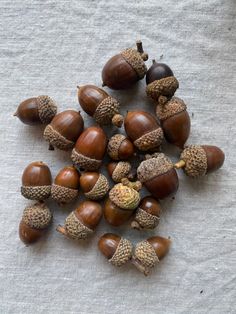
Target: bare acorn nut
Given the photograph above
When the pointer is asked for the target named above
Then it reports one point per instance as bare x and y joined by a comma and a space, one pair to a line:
125, 69
199, 160
143, 129
94, 185
35, 220
36, 110
119, 170
117, 250
158, 175
149, 252
82, 222
120, 147
90, 149
99, 105
147, 215
66, 185
161, 82
36, 181
64, 130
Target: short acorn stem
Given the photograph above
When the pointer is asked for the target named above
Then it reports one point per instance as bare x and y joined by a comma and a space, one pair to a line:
78, 87
103, 84
153, 61
133, 185
162, 100
15, 114
118, 120
141, 51
139, 266
50, 147
61, 230
180, 164
135, 225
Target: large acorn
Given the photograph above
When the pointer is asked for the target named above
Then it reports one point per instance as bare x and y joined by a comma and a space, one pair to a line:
120, 147
143, 129
98, 104
198, 160
82, 222
119, 170
94, 185
66, 185
125, 69
64, 130
90, 149
158, 175
36, 110
36, 181
35, 220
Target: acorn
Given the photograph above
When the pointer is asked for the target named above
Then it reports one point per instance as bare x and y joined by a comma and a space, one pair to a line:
149, 252
36, 110
82, 222
36, 181
199, 160
119, 170
126, 68
35, 220
158, 175
64, 130
147, 215
116, 249
120, 147
66, 185
90, 149
143, 129
161, 82
94, 185
175, 121
99, 105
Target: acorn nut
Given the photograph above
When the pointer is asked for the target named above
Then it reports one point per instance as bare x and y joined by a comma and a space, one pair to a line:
120, 147
94, 185
120, 170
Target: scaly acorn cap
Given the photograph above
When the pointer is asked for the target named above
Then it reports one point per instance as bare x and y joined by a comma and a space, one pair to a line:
99, 190
75, 228
114, 145
122, 254
146, 255
150, 140
122, 170
62, 194
38, 193
170, 108
144, 220
56, 139
163, 87
37, 216
85, 162
47, 108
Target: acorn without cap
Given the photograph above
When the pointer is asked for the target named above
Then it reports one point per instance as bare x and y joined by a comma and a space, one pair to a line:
64, 130
66, 185
98, 104
82, 221
119, 170
36, 110
120, 147
94, 185
125, 69
198, 160
36, 181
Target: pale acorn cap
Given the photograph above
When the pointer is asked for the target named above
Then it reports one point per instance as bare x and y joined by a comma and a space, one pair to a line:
195, 159
37, 216
171, 108
146, 255
122, 254
47, 108
75, 229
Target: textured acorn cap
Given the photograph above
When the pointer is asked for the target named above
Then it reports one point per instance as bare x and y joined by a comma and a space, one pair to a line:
163, 87
121, 171
62, 194
75, 229
99, 190
171, 108
47, 108
38, 193
144, 220
114, 145
150, 140
146, 255
85, 162
56, 139
37, 216
134, 58
195, 159
122, 254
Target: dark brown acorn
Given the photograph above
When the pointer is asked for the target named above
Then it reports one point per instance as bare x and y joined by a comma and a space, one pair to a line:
36, 110
98, 104
119, 170
125, 69
64, 130
120, 147
94, 185
199, 160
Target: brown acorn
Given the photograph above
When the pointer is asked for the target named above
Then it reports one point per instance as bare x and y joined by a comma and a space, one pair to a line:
175, 121
125, 69
117, 250
119, 170
149, 252
120, 147
82, 222
158, 175
66, 185
143, 129
94, 185
35, 220
64, 130
90, 149
98, 104
199, 160
36, 110
147, 215
36, 181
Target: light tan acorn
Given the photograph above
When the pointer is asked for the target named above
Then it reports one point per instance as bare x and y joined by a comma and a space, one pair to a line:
94, 185
120, 147
120, 170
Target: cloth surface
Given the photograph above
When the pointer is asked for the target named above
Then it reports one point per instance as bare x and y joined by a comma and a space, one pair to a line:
50, 47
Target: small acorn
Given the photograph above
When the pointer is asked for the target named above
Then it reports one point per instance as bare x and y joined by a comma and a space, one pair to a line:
94, 185
90, 149
158, 175
175, 121
35, 220
161, 82
143, 129
125, 69
117, 250
36, 181
120, 147
147, 215
99, 105
64, 130
36, 110
119, 170
199, 160
82, 222
66, 185
149, 252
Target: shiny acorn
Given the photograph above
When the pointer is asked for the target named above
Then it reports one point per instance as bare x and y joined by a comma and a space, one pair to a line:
94, 185
120, 147
119, 170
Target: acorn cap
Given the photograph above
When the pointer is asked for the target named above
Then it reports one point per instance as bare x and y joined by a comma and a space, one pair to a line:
144, 220
37, 216
171, 108
122, 254
114, 144
36, 192
150, 140
75, 229
99, 190
195, 159
85, 162
135, 60
163, 87
121, 171
145, 254
56, 139
62, 194
47, 108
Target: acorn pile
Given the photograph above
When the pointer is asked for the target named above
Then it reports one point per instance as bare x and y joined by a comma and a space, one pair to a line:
140, 144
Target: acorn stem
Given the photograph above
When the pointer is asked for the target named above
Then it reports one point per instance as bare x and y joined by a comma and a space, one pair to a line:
15, 114
162, 100
62, 230
117, 120
179, 164
103, 84
139, 266
50, 147
153, 61
139, 46
135, 225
